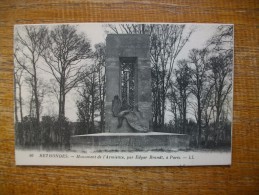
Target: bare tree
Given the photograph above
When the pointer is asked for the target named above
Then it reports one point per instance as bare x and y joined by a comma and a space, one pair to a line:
64, 54
18, 104
83, 113
99, 57
166, 43
89, 102
18, 81
199, 84
94, 96
42, 90
221, 77
220, 63
92, 93
208, 109
222, 41
179, 92
30, 44
15, 99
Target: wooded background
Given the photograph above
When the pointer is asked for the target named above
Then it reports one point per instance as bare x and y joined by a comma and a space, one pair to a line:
242, 177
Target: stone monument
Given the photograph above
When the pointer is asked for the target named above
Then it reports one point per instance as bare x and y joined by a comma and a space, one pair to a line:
128, 84
128, 105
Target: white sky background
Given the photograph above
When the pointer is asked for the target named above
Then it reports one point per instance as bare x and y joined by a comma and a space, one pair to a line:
96, 34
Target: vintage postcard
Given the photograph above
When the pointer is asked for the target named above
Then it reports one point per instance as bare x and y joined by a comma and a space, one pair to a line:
123, 94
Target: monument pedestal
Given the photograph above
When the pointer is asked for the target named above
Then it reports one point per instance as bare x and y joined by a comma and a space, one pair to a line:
130, 142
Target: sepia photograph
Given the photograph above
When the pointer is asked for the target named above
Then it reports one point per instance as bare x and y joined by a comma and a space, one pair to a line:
123, 94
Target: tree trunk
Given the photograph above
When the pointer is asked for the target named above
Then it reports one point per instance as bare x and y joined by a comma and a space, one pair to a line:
163, 100
61, 111
15, 102
163, 110
206, 135
60, 102
62, 99
20, 102
143, 28
36, 102
92, 111
175, 119
199, 122
159, 109
64, 105
35, 90
88, 115
184, 116
217, 125
103, 99
100, 99
155, 106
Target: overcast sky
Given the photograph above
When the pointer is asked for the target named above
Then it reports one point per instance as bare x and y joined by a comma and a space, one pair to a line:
96, 34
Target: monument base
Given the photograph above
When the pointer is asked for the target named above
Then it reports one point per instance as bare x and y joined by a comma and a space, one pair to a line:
130, 142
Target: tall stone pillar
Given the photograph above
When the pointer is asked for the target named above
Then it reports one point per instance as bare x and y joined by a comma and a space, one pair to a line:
130, 47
